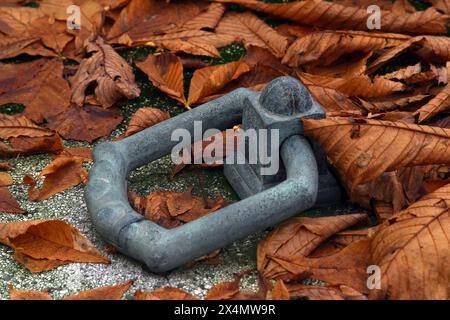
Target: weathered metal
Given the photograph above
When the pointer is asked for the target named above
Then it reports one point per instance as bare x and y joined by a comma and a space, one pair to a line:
265, 201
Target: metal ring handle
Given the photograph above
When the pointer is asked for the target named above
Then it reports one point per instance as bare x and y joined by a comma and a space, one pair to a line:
162, 249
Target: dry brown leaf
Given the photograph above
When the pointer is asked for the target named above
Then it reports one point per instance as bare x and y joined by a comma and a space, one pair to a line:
144, 118
134, 25
27, 145
61, 174
224, 291
361, 150
361, 86
7, 202
339, 292
332, 100
413, 249
170, 209
442, 5
253, 31
114, 292
20, 126
40, 84
325, 47
391, 102
165, 71
166, 293
5, 179
86, 123
440, 103
348, 266
298, 237
208, 81
190, 46
84, 153
108, 72
15, 294
43, 245
331, 15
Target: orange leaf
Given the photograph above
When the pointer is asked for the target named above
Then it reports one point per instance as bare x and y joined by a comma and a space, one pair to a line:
15, 294
165, 71
166, 293
8, 203
115, 292
43, 245
207, 81
61, 174
361, 150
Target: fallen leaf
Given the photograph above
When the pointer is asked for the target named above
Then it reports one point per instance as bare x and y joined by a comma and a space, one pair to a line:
43, 245
165, 71
84, 153
298, 237
361, 150
440, 103
325, 47
61, 174
40, 84
361, 85
13, 127
86, 123
331, 15
339, 292
7, 202
207, 81
144, 118
253, 31
107, 72
5, 179
166, 293
170, 209
114, 292
412, 249
347, 267
15, 294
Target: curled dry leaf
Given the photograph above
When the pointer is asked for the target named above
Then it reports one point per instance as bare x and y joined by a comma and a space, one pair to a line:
348, 266
5, 179
86, 123
339, 292
84, 153
40, 84
165, 71
299, 237
44, 245
134, 24
27, 145
332, 15
15, 294
170, 209
145, 118
8, 203
208, 81
279, 291
361, 85
440, 103
253, 31
361, 150
114, 292
412, 249
325, 47
63, 173
108, 72
166, 293
20, 126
